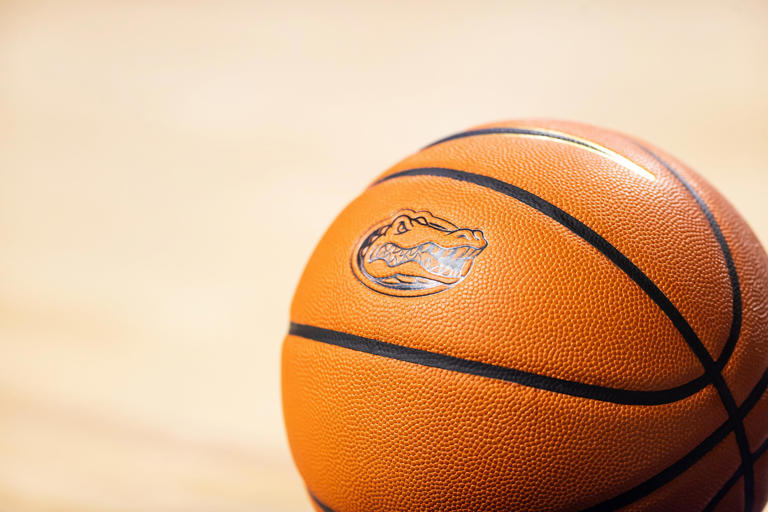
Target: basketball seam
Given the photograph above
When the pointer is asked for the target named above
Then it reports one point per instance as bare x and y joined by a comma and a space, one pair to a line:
712, 368
736, 322
681, 465
718, 497
685, 462
730, 266
323, 506
586, 144
623, 263
492, 371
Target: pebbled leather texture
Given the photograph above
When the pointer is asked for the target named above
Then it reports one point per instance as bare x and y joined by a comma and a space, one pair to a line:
606, 350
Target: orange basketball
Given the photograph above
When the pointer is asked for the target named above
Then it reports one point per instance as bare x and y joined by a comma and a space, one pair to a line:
532, 316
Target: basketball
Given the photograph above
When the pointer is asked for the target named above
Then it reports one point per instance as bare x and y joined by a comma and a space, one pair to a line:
532, 316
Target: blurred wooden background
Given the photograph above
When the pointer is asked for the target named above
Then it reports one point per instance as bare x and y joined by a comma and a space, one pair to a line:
167, 167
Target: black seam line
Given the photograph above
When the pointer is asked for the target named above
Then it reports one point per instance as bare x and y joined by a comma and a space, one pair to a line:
730, 344
681, 465
548, 134
588, 235
717, 498
323, 506
532, 380
525, 131
733, 276
736, 321
621, 261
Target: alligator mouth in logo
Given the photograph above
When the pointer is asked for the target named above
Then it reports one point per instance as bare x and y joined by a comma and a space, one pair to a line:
415, 253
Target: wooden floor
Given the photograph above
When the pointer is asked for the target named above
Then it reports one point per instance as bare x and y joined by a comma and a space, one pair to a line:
166, 169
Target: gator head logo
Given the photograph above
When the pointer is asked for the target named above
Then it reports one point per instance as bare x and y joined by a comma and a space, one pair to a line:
416, 253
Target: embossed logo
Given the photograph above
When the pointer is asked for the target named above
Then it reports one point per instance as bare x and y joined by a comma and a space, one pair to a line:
415, 253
